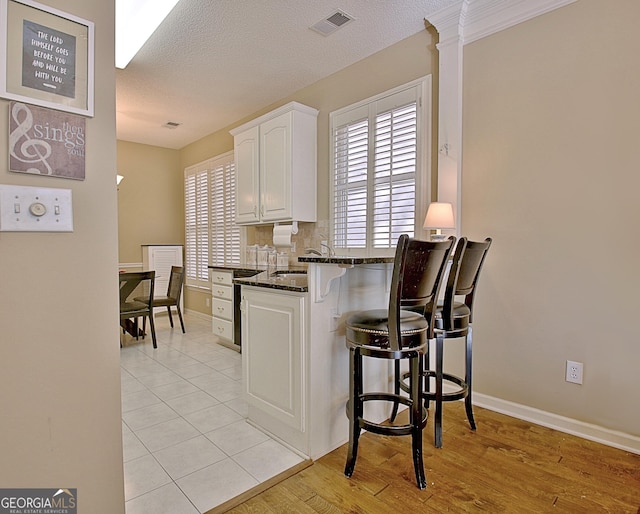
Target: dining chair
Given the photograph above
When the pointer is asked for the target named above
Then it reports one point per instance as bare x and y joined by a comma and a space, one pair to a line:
172, 298
398, 333
133, 308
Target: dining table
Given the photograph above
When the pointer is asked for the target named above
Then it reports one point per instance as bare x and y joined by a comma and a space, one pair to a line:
128, 284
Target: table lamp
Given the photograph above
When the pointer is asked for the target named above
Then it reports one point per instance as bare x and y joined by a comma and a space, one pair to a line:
439, 216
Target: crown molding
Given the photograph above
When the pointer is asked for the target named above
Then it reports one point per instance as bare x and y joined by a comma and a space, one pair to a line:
470, 20
488, 17
449, 22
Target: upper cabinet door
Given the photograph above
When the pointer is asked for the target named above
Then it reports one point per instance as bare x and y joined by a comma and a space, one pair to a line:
275, 168
246, 147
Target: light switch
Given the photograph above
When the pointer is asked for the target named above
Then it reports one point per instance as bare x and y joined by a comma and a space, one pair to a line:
35, 209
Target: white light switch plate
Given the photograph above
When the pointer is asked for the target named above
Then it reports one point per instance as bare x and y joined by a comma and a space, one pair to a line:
35, 209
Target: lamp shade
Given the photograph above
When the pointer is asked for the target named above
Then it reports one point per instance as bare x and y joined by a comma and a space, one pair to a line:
439, 215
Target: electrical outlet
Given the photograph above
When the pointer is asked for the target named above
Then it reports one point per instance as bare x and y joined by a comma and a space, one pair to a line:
207, 302
574, 372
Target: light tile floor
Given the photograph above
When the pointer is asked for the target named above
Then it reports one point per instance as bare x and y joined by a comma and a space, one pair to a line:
187, 445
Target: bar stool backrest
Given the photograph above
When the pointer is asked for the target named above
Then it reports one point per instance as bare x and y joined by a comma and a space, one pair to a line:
468, 259
417, 275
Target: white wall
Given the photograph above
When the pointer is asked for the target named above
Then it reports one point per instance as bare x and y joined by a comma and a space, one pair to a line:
59, 341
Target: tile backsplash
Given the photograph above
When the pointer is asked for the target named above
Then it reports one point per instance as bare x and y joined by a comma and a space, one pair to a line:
309, 236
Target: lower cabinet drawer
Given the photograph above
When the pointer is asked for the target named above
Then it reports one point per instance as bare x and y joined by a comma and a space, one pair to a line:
222, 309
222, 277
223, 329
219, 291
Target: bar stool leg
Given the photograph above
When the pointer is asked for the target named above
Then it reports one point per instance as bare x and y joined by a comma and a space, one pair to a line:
416, 419
354, 408
467, 378
396, 389
438, 399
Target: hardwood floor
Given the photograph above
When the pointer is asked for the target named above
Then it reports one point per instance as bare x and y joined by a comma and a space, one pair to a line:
507, 465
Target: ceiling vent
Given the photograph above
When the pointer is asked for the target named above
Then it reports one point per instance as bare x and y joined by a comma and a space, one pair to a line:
332, 23
171, 125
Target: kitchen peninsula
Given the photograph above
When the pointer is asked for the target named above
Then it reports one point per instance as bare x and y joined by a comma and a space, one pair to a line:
294, 358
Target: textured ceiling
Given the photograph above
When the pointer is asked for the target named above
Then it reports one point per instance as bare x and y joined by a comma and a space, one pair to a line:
213, 62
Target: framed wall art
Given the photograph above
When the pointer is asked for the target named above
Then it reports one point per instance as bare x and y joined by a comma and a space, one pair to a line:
46, 57
46, 142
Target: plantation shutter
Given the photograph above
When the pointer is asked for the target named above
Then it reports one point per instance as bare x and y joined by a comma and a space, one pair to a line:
217, 213
196, 226
394, 175
232, 240
350, 185
375, 149
190, 248
211, 235
225, 234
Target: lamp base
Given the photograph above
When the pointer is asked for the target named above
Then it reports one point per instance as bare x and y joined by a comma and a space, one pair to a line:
438, 237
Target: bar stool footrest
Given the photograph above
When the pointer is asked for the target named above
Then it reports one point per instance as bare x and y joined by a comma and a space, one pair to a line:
448, 396
382, 429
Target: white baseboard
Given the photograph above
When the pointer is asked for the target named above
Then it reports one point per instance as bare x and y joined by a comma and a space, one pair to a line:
200, 315
588, 431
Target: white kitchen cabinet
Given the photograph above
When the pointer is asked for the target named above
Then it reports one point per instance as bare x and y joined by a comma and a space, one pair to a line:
160, 258
222, 304
276, 160
295, 362
273, 362
246, 156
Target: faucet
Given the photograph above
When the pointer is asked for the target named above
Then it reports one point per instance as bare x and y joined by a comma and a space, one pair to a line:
329, 249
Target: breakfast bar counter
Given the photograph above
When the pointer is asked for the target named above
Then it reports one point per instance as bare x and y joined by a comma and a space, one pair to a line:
295, 360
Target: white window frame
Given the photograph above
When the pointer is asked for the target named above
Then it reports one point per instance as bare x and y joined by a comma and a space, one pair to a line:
419, 89
211, 234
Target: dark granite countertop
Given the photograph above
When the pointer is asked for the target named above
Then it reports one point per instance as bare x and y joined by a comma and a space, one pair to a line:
284, 279
254, 268
344, 259
237, 267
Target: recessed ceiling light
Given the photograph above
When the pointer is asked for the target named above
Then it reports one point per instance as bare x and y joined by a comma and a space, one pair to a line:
136, 20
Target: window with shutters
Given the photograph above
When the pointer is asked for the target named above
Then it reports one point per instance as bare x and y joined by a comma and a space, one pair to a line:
211, 235
379, 169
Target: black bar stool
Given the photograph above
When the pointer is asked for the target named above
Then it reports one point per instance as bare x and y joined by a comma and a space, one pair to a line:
401, 332
453, 319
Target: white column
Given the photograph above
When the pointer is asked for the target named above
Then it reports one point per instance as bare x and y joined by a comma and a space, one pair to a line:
450, 23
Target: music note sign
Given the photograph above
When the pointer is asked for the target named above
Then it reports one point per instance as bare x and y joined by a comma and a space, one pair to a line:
46, 141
